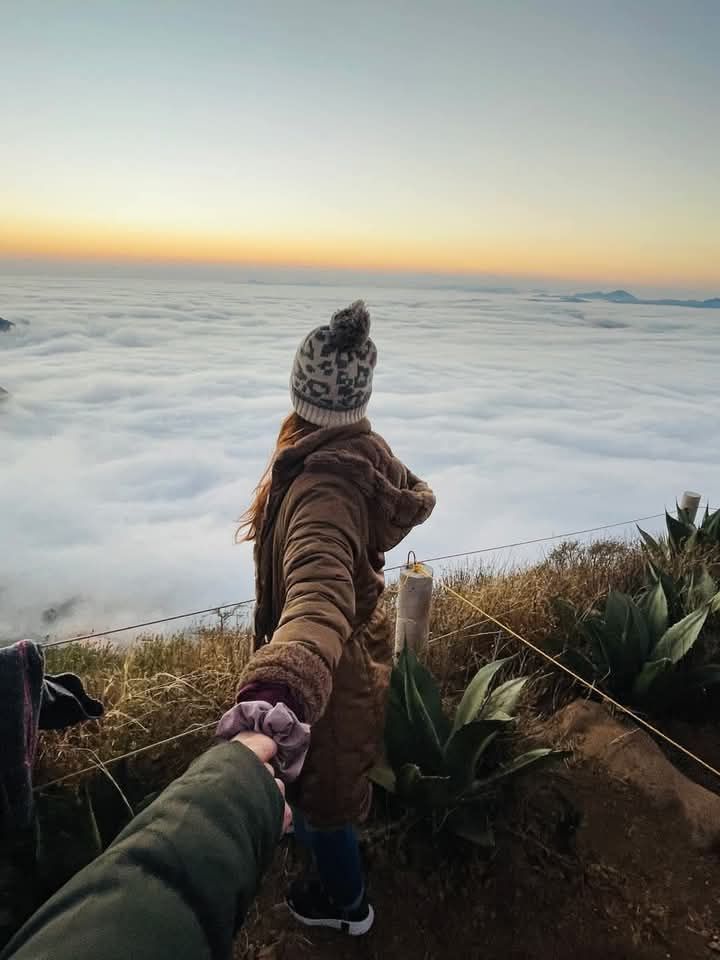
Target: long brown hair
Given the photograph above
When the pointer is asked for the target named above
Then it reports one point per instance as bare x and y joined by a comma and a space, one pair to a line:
292, 430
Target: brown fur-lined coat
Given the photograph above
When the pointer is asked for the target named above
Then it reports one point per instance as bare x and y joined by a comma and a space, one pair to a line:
338, 500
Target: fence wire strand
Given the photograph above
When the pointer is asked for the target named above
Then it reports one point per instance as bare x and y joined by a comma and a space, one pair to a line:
585, 683
124, 756
98, 635
528, 543
147, 623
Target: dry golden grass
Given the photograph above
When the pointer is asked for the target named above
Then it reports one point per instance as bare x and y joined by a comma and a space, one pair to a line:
525, 599
154, 689
160, 687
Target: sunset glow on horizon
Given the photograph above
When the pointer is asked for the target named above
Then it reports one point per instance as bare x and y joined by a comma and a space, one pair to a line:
548, 140
68, 242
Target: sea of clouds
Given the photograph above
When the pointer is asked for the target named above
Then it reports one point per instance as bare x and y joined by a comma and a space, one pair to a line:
141, 413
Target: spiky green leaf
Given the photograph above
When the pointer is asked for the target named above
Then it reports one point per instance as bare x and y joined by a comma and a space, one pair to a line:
648, 678
650, 542
517, 765
465, 748
656, 611
400, 734
711, 527
397, 683
678, 639
683, 516
638, 636
504, 699
620, 647
430, 694
701, 588
653, 570
617, 612
429, 750
384, 777
691, 541
476, 694
678, 532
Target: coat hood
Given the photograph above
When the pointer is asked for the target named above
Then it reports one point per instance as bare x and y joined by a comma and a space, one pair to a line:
398, 500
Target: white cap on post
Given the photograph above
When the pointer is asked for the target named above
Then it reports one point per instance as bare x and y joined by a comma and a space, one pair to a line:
690, 503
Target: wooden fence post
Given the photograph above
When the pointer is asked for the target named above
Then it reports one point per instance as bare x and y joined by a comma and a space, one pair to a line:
690, 502
412, 625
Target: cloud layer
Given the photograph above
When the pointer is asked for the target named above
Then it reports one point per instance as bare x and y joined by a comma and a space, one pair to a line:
141, 414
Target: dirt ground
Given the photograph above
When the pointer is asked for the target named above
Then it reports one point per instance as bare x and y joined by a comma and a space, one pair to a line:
585, 866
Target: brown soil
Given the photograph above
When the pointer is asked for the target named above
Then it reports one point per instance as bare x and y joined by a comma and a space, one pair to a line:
704, 741
586, 866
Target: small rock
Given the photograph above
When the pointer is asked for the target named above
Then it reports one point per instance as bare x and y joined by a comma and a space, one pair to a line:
714, 945
6, 325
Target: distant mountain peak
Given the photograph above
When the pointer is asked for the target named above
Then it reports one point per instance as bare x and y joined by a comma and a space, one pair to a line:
622, 296
614, 296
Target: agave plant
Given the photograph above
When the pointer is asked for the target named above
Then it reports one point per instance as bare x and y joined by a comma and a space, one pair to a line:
639, 655
684, 592
442, 765
683, 536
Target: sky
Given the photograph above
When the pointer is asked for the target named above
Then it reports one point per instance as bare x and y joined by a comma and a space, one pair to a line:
573, 139
141, 413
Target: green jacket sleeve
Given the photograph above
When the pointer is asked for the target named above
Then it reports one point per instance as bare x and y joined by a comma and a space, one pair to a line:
180, 878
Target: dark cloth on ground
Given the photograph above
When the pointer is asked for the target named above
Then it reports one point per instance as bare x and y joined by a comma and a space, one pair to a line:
30, 701
65, 703
21, 681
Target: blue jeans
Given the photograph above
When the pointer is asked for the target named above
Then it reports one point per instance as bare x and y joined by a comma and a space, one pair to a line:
337, 857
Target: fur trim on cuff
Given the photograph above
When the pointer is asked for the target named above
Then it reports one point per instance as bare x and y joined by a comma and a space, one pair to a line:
299, 667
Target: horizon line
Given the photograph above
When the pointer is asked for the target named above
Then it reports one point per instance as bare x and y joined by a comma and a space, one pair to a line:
389, 271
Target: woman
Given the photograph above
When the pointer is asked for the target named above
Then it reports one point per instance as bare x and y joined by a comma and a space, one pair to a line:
332, 502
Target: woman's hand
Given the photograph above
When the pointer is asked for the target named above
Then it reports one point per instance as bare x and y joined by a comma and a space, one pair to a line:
265, 749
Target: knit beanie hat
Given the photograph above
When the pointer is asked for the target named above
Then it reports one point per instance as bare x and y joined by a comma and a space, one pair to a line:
332, 375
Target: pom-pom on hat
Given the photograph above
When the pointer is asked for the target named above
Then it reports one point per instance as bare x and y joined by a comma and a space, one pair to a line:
332, 375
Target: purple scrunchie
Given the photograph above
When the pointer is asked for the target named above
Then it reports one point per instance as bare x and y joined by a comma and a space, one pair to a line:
277, 722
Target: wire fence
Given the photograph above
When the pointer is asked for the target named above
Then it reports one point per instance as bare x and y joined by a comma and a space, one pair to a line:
591, 687
101, 764
486, 618
97, 635
147, 623
537, 540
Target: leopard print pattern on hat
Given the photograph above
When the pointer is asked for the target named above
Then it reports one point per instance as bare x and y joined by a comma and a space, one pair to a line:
333, 368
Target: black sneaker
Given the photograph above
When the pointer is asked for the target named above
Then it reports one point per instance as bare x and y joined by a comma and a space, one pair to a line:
311, 906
